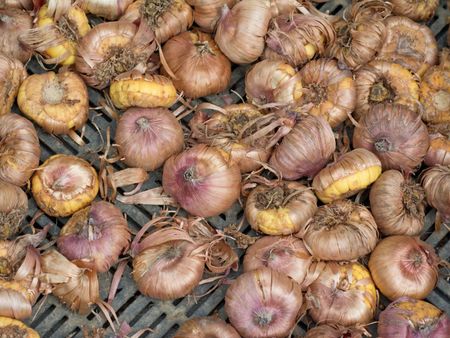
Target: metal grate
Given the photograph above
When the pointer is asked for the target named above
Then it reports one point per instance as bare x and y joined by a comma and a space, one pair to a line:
54, 320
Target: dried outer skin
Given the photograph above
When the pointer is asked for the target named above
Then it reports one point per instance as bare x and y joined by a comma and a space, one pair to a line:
412, 318
305, 150
97, 235
263, 303
19, 149
284, 219
341, 231
385, 82
13, 22
422, 10
203, 180
336, 331
112, 48
69, 109
273, 82
296, 38
240, 42
360, 33
64, 184
404, 266
285, 254
409, 44
348, 286
16, 328
207, 13
147, 137
436, 182
439, 151
56, 46
21, 4
397, 204
19, 271
282, 7
168, 271
200, 67
135, 89
210, 130
177, 18
12, 73
107, 9
74, 285
13, 209
206, 327
351, 173
435, 94
395, 134
328, 91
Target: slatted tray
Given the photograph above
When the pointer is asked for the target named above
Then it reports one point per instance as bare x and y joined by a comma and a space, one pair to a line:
55, 321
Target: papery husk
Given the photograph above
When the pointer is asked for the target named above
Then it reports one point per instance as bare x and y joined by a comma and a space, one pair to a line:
147, 137
395, 134
135, 89
435, 93
203, 180
444, 58
111, 180
297, 38
206, 327
233, 130
336, 331
341, 231
397, 204
404, 266
273, 82
385, 82
343, 294
283, 7
360, 33
15, 328
107, 9
57, 38
96, 235
64, 184
439, 151
21, 4
349, 174
409, 44
113, 48
328, 91
220, 256
13, 209
208, 12
13, 22
166, 18
12, 73
167, 264
240, 31
284, 254
282, 209
415, 10
436, 182
19, 149
19, 271
305, 149
263, 303
408, 317
58, 103
75, 286
200, 68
